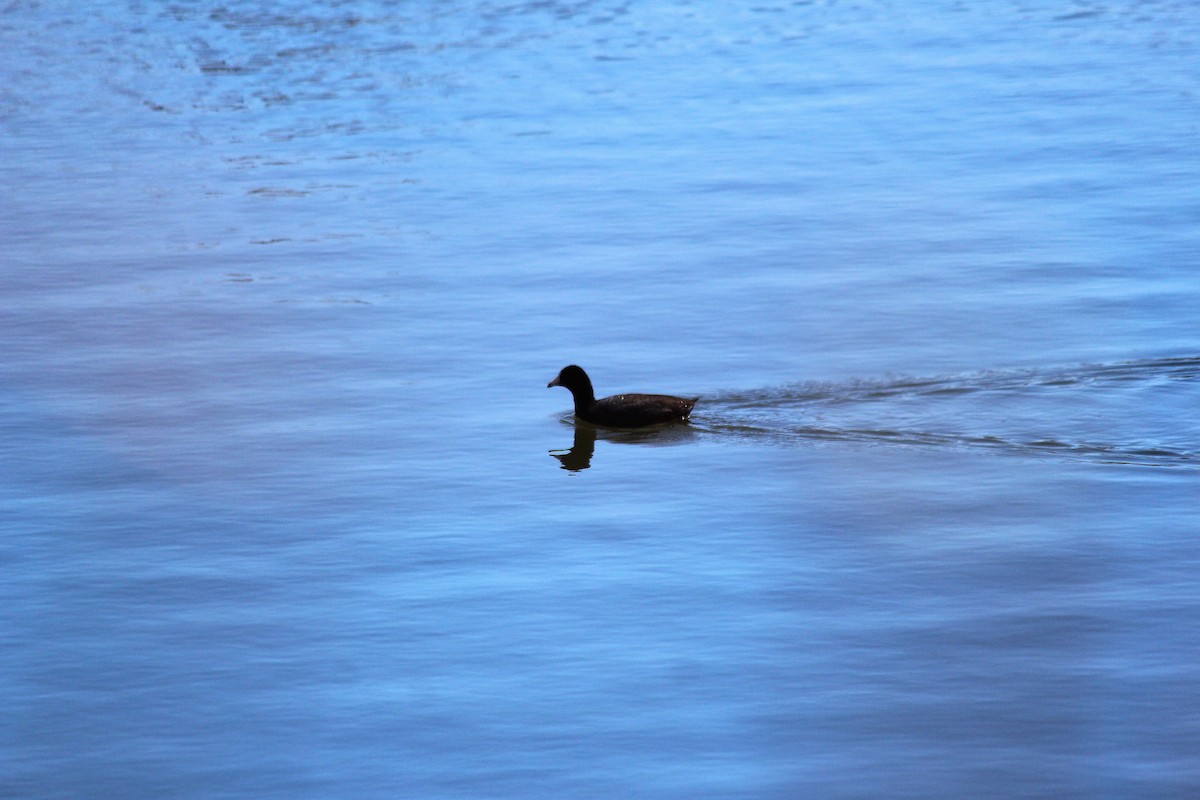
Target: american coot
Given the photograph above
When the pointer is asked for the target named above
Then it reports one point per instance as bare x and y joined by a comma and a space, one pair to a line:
621, 410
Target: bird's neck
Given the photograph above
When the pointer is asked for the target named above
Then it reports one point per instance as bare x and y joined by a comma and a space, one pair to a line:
584, 396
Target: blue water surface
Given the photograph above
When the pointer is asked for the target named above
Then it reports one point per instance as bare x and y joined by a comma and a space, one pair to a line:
286, 510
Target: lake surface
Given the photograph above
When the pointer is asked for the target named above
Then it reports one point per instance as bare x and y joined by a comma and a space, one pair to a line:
287, 511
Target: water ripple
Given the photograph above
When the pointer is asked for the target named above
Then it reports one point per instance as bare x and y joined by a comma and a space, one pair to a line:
1131, 412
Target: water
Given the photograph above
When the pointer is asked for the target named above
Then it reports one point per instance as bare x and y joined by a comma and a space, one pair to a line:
287, 511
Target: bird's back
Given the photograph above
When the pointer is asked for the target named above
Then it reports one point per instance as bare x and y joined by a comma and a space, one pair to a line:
639, 410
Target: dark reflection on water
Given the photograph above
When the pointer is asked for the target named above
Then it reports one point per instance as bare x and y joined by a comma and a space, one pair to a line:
579, 456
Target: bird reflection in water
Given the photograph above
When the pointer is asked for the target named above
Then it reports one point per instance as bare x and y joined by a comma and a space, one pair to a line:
579, 456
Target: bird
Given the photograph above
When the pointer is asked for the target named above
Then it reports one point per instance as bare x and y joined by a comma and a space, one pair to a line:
621, 410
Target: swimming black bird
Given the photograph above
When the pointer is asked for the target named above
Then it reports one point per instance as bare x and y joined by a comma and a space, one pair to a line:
621, 410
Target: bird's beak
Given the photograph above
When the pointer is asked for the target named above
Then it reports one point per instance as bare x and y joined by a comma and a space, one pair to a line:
552, 383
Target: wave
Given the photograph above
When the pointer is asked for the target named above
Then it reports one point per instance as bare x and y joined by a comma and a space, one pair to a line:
1180, 369
1139, 412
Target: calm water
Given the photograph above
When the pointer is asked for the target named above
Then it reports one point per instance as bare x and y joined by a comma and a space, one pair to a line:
287, 512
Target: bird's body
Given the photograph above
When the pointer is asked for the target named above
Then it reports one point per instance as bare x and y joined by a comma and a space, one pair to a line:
621, 410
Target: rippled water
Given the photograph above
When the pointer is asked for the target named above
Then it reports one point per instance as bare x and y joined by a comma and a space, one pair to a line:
286, 510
